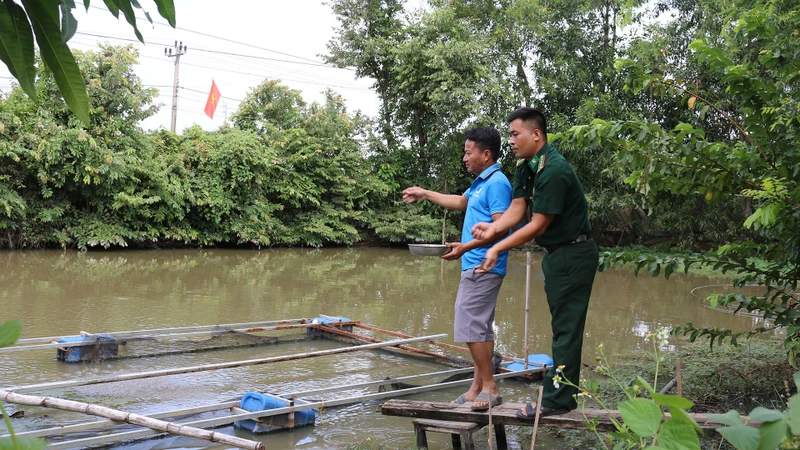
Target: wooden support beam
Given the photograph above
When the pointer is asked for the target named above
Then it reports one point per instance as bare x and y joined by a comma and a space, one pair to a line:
506, 414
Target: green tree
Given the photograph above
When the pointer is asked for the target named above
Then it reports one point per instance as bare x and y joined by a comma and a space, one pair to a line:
757, 96
369, 32
270, 107
53, 25
83, 185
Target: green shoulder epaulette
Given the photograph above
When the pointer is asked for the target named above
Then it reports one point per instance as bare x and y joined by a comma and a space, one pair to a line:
541, 163
520, 161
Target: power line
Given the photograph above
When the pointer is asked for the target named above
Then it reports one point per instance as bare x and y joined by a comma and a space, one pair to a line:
223, 39
266, 58
262, 75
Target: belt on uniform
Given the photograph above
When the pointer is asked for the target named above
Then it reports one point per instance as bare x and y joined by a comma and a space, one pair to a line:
577, 240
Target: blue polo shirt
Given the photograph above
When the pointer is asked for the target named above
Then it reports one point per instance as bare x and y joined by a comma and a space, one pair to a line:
489, 194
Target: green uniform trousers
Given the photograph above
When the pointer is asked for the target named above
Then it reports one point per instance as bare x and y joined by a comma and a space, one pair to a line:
568, 277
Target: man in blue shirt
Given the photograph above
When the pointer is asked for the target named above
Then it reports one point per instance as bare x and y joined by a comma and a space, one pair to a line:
485, 201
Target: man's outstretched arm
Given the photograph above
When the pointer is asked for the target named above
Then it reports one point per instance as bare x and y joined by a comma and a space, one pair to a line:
449, 201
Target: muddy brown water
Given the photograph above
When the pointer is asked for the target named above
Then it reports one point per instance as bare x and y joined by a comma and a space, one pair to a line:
62, 293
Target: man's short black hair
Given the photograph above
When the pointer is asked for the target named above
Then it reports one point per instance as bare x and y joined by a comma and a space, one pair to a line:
487, 138
528, 114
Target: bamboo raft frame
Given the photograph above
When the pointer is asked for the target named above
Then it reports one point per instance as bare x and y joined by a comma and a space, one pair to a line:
330, 330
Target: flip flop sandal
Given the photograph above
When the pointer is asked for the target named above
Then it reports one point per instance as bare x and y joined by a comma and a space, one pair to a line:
486, 397
460, 400
530, 411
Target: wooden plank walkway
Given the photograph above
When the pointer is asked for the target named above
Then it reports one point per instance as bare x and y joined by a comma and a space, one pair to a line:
506, 414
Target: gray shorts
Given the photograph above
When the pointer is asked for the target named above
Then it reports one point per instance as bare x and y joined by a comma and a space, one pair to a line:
475, 304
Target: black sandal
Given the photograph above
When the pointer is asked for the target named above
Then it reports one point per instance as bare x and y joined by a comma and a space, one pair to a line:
530, 411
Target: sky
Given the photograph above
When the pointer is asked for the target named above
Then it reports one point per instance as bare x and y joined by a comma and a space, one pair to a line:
269, 39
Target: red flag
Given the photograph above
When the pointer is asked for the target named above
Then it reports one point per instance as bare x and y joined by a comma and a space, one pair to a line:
213, 99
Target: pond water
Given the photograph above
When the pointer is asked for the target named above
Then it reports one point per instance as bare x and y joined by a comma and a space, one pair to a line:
63, 293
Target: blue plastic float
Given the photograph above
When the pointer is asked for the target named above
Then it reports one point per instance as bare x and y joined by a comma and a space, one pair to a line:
105, 347
328, 321
534, 361
256, 401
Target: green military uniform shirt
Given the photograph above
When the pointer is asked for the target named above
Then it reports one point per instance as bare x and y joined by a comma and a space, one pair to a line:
550, 186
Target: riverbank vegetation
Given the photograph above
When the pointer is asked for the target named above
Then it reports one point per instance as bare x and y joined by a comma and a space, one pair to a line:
727, 378
286, 173
680, 117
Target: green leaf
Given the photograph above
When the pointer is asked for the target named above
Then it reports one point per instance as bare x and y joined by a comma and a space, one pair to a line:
762, 414
731, 418
69, 25
678, 435
23, 443
642, 383
683, 416
59, 58
742, 436
130, 16
9, 332
771, 434
794, 414
16, 46
673, 401
167, 10
112, 7
641, 415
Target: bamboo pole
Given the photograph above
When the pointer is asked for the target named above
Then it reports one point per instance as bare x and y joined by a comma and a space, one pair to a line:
228, 365
217, 421
407, 348
135, 419
160, 336
678, 376
527, 303
536, 420
404, 335
435, 343
166, 330
86, 426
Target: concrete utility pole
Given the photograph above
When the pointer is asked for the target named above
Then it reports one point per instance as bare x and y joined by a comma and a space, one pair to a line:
180, 49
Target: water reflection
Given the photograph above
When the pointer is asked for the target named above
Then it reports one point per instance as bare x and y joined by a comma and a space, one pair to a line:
62, 293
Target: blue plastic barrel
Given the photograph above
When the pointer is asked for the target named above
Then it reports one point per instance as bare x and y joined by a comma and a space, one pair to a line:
256, 401
106, 347
534, 361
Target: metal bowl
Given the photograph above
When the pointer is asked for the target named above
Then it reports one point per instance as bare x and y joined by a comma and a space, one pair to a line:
428, 249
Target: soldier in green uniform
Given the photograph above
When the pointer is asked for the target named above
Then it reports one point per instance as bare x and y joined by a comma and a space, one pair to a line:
549, 194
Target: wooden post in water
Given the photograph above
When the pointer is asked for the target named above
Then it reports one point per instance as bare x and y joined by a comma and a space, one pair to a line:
135, 419
527, 302
536, 420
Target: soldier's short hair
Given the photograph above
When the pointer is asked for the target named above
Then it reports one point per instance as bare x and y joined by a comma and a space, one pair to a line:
531, 115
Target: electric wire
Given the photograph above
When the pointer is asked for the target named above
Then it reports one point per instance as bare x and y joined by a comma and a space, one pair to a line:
305, 79
200, 49
227, 40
